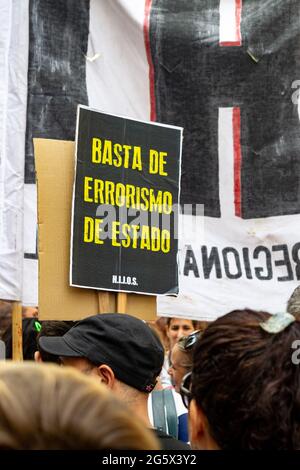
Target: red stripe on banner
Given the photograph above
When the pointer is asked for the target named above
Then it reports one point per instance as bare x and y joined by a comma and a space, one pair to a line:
236, 121
230, 43
238, 17
148, 4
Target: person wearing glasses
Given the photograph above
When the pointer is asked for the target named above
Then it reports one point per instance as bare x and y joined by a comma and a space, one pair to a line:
181, 359
243, 391
180, 364
175, 329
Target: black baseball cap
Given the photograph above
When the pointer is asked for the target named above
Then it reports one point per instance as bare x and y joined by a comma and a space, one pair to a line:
125, 343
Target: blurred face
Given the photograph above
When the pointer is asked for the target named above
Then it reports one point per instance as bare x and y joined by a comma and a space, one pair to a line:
179, 367
30, 312
178, 327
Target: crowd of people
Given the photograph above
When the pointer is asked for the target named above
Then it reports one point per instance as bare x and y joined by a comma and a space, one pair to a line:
112, 381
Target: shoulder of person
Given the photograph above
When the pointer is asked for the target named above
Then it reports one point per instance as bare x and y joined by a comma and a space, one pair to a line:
168, 442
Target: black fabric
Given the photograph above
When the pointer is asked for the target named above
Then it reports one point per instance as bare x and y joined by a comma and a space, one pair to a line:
59, 31
169, 443
194, 76
123, 342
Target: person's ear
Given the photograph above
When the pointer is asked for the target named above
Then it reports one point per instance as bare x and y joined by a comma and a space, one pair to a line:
199, 429
38, 357
106, 375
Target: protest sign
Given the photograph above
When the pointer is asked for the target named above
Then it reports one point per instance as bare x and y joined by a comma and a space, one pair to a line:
57, 300
125, 204
233, 84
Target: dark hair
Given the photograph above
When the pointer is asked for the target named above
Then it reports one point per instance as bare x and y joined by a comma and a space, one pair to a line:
52, 328
5, 316
29, 335
245, 382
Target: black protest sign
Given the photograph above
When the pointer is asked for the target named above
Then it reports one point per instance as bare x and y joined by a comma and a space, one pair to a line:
125, 204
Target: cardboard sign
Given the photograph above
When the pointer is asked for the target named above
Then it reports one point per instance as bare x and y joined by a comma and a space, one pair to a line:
125, 204
54, 161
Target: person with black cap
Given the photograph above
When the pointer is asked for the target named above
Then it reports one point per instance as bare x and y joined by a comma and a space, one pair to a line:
120, 350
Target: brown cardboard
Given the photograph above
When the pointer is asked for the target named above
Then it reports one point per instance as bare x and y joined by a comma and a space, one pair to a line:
54, 161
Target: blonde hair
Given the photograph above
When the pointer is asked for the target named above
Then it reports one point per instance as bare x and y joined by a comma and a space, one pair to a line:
43, 406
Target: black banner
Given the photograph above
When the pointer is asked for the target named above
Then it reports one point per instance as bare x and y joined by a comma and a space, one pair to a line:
125, 204
194, 76
59, 33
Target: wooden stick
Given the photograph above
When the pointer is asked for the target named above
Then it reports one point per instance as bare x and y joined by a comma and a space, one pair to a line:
103, 302
121, 302
17, 340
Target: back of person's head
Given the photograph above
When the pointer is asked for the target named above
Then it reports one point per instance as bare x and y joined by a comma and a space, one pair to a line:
5, 316
30, 312
49, 407
30, 331
124, 343
245, 386
51, 328
157, 331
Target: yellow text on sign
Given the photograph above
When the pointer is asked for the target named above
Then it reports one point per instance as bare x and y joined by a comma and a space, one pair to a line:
157, 162
92, 230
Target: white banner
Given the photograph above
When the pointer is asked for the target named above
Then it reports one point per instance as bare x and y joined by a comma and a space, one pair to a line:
215, 70
231, 263
13, 97
226, 262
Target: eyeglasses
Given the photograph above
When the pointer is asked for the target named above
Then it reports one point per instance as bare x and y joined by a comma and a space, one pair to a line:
185, 389
187, 342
